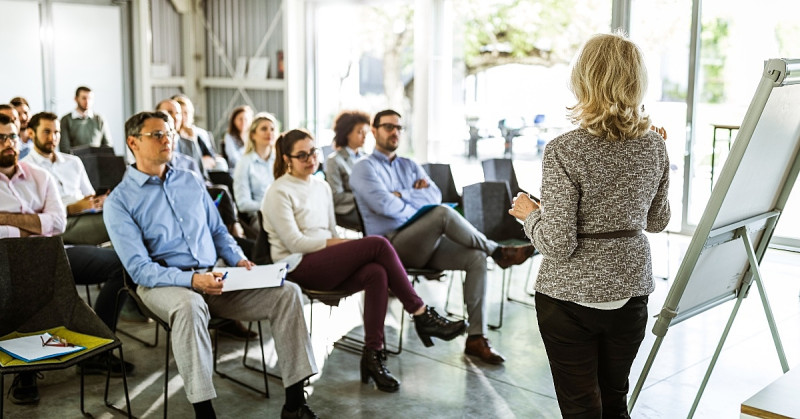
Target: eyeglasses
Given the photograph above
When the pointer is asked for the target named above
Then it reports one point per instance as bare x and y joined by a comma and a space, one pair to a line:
303, 157
158, 135
8, 137
54, 340
391, 127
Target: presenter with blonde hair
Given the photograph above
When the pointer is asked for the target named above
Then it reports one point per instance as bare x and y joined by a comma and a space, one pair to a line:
602, 185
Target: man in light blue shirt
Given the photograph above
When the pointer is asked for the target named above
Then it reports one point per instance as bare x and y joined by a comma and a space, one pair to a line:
390, 190
168, 235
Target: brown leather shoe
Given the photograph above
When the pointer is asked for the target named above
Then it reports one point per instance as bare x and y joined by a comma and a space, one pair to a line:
479, 346
506, 256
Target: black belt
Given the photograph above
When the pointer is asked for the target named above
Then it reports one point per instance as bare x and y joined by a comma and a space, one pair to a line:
610, 235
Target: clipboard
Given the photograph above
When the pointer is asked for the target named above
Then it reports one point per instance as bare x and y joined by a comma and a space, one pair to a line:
259, 276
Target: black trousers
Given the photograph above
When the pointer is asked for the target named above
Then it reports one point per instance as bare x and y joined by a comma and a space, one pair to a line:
590, 353
95, 265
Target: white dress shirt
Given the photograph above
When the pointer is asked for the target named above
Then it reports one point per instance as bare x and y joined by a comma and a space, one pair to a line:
32, 190
68, 172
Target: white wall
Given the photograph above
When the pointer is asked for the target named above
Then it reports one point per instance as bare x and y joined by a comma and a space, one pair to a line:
88, 52
21, 53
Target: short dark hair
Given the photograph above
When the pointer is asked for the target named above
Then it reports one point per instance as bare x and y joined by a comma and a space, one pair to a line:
345, 122
6, 106
135, 123
5, 119
383, 113
19, 101
33, 123
82, 89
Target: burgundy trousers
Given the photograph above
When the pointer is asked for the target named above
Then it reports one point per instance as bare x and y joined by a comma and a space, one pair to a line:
368, 264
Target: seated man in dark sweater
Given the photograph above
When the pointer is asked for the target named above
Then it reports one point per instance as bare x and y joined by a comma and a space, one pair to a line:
83, 126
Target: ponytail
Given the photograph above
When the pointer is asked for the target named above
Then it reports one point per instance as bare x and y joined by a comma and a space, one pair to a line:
283, 147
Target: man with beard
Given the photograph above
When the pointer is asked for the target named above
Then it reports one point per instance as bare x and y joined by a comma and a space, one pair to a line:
24, 145
82, 126
389, 190
84, 221
30, 206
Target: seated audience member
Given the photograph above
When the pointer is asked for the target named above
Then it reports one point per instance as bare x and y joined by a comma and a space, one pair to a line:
182, 145
83, 126
390, 190
25, 144
298, 215
30, 206
211, 160
253, 173
84, 221
168, 234
238, 126
350, 130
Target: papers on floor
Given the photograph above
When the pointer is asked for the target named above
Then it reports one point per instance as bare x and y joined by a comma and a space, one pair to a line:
261, 276
30, 348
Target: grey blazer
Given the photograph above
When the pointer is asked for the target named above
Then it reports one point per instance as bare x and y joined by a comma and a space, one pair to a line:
338, 166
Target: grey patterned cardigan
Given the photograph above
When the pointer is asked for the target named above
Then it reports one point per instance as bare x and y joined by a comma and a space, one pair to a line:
593, 185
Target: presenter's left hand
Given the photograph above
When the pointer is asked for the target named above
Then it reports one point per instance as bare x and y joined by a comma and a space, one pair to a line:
244, 263
522, 206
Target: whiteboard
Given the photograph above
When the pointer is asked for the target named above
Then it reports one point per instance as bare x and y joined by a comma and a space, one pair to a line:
754, 185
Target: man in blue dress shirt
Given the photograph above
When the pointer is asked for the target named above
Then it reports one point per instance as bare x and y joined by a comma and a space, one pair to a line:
389, 190
168, 234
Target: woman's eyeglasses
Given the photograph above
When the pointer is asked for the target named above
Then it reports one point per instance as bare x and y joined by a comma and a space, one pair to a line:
303, 157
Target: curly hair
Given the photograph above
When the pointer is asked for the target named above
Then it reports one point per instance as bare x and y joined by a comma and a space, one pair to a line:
609, 80
344, 124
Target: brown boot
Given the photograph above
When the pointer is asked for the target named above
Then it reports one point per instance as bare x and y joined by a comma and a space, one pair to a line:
478, 345
506, 256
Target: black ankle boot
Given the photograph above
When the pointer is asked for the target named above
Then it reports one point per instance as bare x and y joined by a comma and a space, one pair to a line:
372, 367
431, 324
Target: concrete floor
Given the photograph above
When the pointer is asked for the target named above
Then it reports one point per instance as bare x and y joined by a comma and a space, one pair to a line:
441, 382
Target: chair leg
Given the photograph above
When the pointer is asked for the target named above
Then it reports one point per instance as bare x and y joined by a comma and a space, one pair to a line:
88, 296
124, 386
527, 285
506, 277
122, 332
263, 369
463, 314
166, 374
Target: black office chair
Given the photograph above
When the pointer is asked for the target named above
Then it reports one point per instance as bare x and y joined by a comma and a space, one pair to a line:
214, 323
486, 207
442, 176
502, 170
38, 293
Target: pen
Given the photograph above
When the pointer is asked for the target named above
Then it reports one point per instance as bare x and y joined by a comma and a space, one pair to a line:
225, 275
217, 200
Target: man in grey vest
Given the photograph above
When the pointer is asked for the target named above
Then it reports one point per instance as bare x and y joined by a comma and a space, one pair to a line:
82, 126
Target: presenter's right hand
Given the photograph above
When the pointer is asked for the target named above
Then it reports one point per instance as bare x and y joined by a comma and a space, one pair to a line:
207, 283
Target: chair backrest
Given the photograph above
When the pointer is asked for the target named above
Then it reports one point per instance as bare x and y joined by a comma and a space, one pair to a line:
261, 251
442, 176
501, 170
105, 171
222, 178
486, 206
37, 291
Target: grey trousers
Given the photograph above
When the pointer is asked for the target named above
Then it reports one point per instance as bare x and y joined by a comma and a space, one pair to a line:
443, 239
188, 314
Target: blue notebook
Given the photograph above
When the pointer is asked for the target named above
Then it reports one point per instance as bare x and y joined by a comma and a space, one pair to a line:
422, 211
30, 348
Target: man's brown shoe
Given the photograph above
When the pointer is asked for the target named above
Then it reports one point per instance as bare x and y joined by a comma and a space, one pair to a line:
506, 256
479, 346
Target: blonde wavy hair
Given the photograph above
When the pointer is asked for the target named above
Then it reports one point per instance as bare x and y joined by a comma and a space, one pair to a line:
609, 80
257, 120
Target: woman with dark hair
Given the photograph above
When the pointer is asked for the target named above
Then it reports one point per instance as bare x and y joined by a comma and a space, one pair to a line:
602, 184
350, 128
298, 215
238, 125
